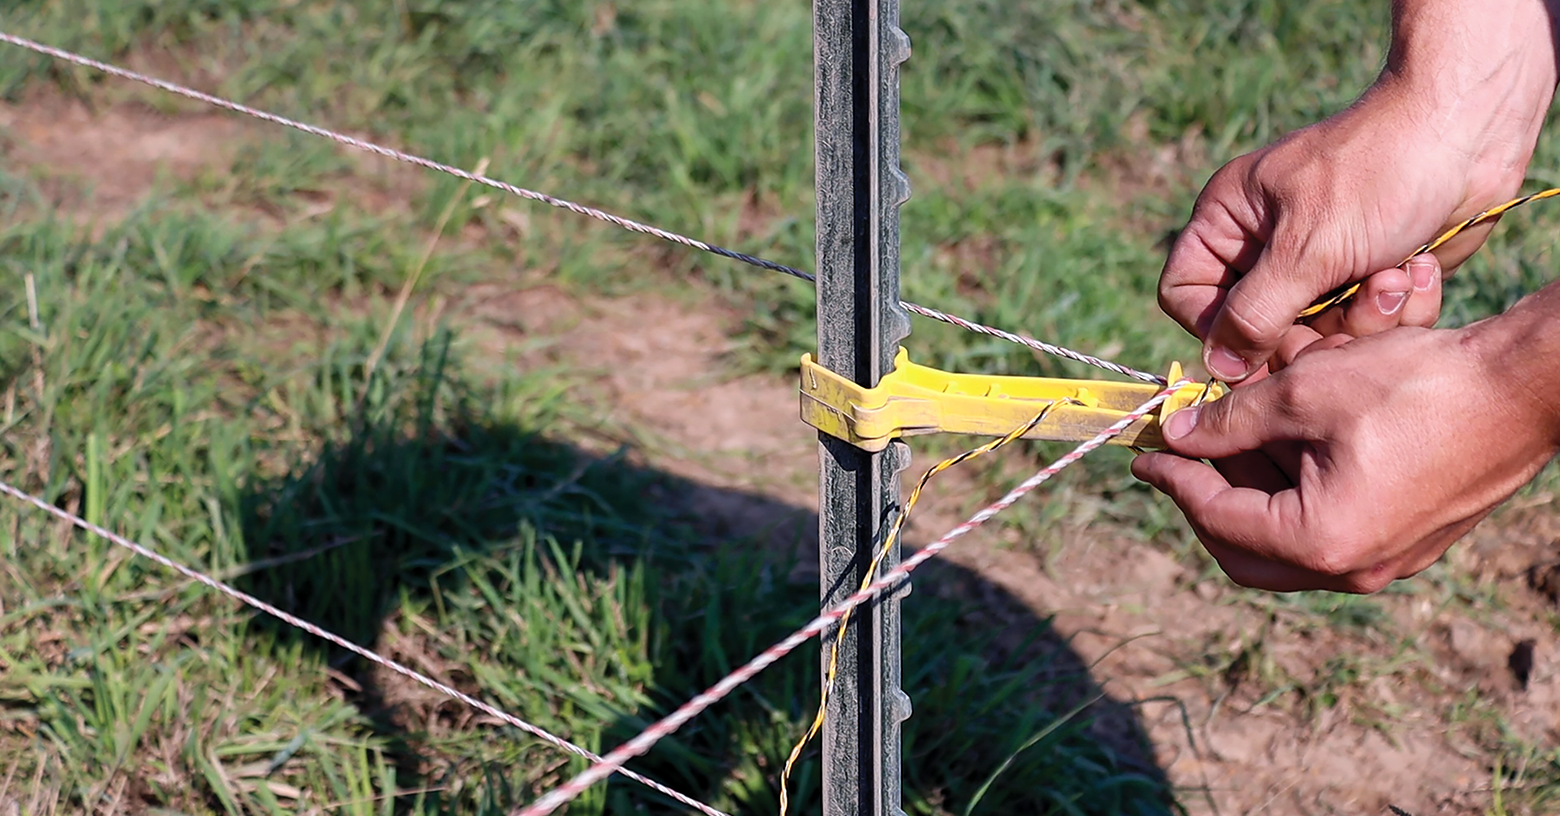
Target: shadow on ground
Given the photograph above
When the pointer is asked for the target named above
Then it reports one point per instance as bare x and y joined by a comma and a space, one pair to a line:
428, 536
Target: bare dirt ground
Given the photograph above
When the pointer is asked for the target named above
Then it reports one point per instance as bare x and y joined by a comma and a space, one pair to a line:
111, 158
1207, 666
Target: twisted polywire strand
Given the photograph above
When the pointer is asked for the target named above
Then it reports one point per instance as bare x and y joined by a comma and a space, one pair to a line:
293, 620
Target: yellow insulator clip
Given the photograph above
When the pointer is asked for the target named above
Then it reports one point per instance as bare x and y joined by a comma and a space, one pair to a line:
914, 400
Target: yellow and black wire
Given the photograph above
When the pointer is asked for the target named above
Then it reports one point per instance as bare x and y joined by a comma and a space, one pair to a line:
1342, 295
888, 542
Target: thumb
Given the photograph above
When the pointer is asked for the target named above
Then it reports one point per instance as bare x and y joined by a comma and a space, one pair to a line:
1259, 310
1242, 420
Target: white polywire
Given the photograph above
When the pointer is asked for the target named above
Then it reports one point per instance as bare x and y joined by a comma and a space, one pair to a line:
532, 195
293, 620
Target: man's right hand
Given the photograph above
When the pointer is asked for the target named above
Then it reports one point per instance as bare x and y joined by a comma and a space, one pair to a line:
1446, 132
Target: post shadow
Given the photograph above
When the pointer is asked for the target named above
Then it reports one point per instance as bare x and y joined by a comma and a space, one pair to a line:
425, 482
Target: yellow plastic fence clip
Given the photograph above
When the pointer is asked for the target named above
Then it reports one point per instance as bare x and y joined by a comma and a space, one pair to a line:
913, 400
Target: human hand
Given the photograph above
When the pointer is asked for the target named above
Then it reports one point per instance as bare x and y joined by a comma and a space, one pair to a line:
1361, 462
1407, 296
1445, 133
1345, 200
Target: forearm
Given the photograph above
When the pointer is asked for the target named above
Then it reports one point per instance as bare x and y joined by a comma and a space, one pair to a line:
1479, 73
1520, 352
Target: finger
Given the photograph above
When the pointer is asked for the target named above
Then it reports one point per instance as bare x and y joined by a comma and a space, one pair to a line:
1273, 469
1211, 253
1193, 284
1326, 322
1226, 516
1247, 531
1331, 341
1262, 373
1369, 311
1434, 547
1424, 305
1376, 307
1379, 304
1255, 572
1422, 556
1242, 567
1295, 342
1242, 420
1300, 340
1261, 307
1288, 457
1254, 469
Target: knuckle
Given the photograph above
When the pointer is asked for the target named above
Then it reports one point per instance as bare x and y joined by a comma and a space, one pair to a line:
1272, 167
1168, 303
1216, 418
1337, 548
1167, 281
1239, 571
1290, 392
1296, 183
1332, 561
1430, 311
1228, 183
1366, 582
1250, 321
1331, 322
1234, 172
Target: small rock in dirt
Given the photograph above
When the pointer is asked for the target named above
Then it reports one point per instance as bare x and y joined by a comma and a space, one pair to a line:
1545, 580
1521, 663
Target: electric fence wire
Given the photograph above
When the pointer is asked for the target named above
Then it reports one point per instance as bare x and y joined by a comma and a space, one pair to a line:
532, 195
293, 620
566, 792
612, 763
603, 766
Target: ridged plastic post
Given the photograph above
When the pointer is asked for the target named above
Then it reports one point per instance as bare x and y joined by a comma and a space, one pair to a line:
858, 48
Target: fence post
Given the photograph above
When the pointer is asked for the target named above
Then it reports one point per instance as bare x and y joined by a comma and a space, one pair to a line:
858, 47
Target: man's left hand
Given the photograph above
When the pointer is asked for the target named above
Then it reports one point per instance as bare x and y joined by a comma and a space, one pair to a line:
1360, 462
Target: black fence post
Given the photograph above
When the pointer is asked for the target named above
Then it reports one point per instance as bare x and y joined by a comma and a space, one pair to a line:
858, 49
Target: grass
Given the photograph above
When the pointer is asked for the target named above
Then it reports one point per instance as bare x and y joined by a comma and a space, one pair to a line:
459, 534
195, 377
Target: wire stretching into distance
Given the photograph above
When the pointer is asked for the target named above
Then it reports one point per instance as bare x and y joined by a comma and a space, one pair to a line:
1342, 295
293, 620
1325, 303
669, 724
532, 195
900, 519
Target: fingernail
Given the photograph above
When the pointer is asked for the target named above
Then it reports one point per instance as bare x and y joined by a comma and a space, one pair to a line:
1390, 302
1181, 423
1226, 364
1423, 274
